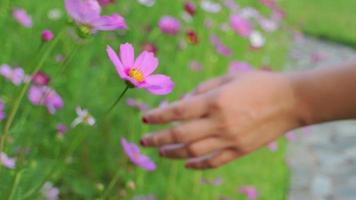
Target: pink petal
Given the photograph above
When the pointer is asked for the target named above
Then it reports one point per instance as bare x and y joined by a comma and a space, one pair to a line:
109, 23
83, 11
146, 62
127, 55
116, 61
159, 84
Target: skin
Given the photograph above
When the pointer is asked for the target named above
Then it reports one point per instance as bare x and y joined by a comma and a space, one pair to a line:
231, 116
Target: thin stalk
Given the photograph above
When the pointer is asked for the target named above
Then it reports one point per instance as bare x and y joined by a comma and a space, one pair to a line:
14, 185
111, 184
24, 89
118, 99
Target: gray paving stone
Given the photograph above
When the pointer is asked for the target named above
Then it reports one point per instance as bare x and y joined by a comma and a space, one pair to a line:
322, 161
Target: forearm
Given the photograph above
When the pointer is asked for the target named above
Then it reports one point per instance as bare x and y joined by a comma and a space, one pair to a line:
325, 94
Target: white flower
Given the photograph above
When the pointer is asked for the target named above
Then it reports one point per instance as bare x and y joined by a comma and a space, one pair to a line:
83, 116
148, 3
257, 40
210, 6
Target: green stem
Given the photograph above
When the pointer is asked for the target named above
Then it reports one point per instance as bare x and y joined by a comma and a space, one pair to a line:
118, 99
111, 184
14, 185
24, 89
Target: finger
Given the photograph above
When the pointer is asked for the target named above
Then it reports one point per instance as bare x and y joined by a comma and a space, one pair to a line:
216, 160
188, 108
211, 84
186, 132
195, 149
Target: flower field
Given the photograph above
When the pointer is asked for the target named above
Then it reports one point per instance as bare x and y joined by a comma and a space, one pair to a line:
75, 81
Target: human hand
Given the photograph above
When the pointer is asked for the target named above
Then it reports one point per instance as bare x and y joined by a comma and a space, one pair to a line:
225, 118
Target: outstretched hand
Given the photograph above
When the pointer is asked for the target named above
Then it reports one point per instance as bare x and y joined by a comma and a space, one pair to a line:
224, 119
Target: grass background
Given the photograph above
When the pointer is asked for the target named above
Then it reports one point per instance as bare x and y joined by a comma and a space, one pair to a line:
328, 19
88, 157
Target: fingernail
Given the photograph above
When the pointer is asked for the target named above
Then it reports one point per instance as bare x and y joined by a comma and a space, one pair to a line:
144, 120
143, 142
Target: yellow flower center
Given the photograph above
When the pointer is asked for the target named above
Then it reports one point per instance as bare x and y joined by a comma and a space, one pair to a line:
137, 75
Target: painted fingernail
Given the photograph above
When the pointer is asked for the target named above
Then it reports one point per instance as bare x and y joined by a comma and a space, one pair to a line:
143, 142
144, 120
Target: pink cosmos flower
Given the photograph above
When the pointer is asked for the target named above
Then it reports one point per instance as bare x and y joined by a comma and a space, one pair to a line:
190, 8
139, 72
169, 25
16, 75
237, 66
195, 65
291, 136
22, 17
7, 161
50, 192
273, 146
269, 3
47, 35
2, 112
134, 154
61, 129
87, 15
219, 46
40, 78
43, 95
240, 25
250, 192
137, 104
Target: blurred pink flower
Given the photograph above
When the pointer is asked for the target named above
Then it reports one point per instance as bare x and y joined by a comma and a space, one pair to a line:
250, 192
87, 15
219, 46
267, 25
137, 104
190, 8
237, 66
61, 129
240, 25
16, 75
134, 154
169, 25
139, 72
40, 78
269, 3
291, 136
150, 47
22, 17
2, 112
273, 146
149, 197
46, 96
47, 35
83, 117
7, 161
192, 37
195, 66
50, 192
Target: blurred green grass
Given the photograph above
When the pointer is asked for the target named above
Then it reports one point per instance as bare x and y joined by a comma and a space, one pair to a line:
91, 81
329, 19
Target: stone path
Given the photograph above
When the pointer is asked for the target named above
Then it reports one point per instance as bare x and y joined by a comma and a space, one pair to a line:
323, 158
